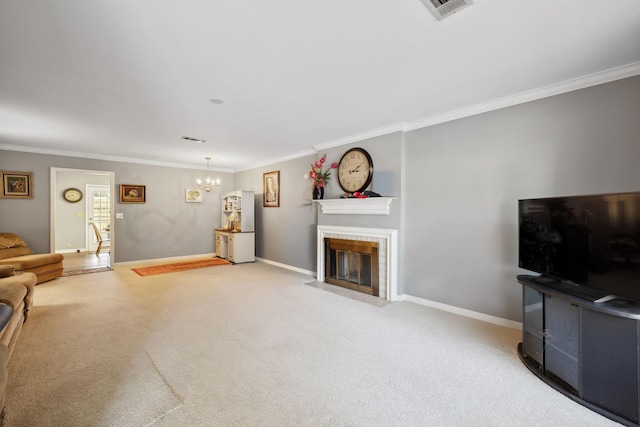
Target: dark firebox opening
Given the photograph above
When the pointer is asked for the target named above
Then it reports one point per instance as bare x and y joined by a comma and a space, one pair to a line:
352, 264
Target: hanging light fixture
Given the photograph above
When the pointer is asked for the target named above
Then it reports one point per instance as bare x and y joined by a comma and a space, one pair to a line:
208, 183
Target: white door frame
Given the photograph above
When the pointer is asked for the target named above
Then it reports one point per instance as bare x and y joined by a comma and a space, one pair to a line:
55, 196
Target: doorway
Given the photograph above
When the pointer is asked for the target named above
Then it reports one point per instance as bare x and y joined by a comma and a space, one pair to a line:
98, 212
71, 221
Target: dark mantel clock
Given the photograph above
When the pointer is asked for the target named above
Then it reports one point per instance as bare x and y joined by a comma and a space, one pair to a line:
355, 170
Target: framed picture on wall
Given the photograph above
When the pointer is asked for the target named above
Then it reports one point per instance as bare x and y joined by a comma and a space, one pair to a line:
271, 189
130, 193
193, 195
17, 185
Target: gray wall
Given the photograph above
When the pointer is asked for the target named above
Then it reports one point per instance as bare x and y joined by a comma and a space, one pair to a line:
148, 231
284, 234
463, 180
287, 234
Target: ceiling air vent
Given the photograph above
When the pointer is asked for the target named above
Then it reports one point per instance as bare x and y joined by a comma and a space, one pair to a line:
443, 8
196, 140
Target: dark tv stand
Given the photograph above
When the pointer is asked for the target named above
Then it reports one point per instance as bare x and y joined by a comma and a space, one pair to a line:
586, 350
589, 294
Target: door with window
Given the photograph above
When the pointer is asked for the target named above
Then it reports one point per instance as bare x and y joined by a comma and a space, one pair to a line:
98, 213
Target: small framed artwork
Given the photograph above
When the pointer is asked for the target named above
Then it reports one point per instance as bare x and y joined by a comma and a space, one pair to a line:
133, 193
193, 195
271, 189
17, 185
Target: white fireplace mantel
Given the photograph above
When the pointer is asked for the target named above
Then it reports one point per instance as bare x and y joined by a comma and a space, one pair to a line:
355, 206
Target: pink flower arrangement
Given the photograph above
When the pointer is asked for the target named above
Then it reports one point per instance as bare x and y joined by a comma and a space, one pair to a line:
317, 175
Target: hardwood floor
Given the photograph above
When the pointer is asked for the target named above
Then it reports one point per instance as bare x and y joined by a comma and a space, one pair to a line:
79, 261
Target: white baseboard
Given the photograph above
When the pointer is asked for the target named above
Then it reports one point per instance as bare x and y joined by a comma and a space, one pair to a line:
288, 267
464, 312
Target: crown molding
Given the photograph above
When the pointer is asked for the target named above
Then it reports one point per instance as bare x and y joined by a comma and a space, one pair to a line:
386, 130
594, 79
315, 149
37, 150
276, 160
589, 80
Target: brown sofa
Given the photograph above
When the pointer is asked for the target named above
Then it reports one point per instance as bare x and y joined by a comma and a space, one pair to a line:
14, 251
16, 298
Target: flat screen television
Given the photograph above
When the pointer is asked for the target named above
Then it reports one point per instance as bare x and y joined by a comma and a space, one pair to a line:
590, 242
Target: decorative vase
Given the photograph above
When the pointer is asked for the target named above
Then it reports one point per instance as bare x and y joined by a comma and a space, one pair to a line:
318, 193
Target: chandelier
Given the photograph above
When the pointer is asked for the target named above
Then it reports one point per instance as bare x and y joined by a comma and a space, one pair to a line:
208, 183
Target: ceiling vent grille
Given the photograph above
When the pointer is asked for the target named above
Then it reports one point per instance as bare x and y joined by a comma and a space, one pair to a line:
443, 8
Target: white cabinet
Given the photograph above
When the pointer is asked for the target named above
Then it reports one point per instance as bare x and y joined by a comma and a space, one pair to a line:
222, 244
238, 211
235, 239
241, 247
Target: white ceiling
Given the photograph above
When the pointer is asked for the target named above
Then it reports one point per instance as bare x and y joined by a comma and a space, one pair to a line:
126, 79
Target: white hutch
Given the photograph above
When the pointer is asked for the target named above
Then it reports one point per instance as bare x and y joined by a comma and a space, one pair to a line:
235, 239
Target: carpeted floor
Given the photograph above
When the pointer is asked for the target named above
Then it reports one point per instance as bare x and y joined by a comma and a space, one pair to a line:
253, 346
89, 396
358, 296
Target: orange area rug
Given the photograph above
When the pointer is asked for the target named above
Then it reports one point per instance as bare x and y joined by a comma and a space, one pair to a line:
179, 266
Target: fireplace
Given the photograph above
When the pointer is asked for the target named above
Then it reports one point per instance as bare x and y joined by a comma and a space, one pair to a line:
352, 264
375, 246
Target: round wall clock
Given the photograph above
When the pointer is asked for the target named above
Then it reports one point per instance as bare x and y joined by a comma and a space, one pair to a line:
355, 170
72, 195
